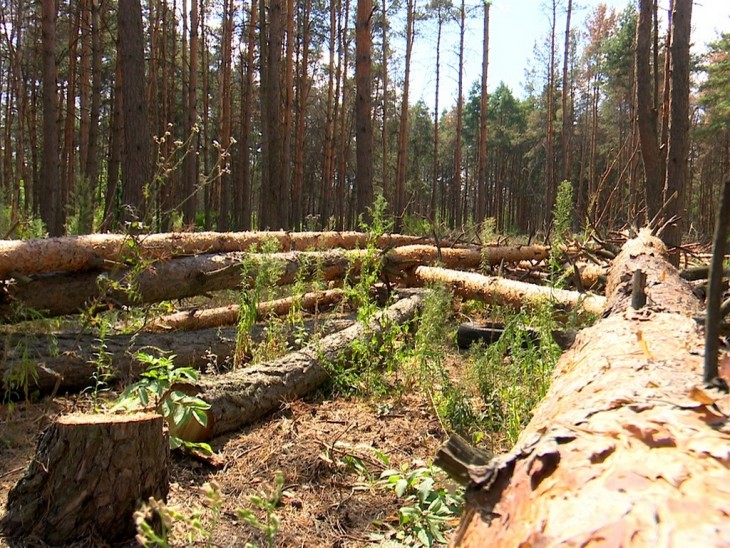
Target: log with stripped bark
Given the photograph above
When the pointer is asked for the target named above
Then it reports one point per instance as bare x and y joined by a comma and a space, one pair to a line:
628, 447
73, 362
59, 294
109, 251
189, 320
242, 396
502, 291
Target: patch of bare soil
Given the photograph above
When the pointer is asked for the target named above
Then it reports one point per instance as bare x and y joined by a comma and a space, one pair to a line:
326, 502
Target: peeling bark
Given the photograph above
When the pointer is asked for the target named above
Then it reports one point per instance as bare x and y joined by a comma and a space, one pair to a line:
502, 291
627, 448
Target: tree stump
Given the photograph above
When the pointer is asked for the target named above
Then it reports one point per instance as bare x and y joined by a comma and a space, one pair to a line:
88, 475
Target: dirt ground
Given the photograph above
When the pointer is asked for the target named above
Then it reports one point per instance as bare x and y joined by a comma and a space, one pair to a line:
325, 502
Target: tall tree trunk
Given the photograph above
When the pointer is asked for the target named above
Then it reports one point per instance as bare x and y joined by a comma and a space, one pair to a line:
456, 195
343, 139
188, 196
388, 193
550, 181
401, 173
225, 120
136, 158
246, 115
274, 191
116, 137
303, 87
288, 107
363, 106
328, 153
91, 168
481, 201
52, 209
646, 115
567, 114
678, 146
68, 154
436, 166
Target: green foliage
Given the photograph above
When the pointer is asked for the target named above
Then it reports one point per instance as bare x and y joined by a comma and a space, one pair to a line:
155, 521
155, 389
562, 224
715, 91
428, 511
513, 374
268, 503
259, 273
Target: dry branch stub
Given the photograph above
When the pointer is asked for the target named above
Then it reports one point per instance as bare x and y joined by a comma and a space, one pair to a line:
240, 397
505, 292
88, 475
627, 447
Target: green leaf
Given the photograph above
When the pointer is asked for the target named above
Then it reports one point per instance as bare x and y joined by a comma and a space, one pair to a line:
401, 486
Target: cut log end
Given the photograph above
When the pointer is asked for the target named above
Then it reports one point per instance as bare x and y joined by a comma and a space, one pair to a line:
88, 475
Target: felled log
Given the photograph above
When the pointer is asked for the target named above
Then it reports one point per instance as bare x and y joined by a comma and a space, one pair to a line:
627, 448
88, 476
108, 251
502, 291
228, 315
69, 362
59, 294
407, 256
242, 396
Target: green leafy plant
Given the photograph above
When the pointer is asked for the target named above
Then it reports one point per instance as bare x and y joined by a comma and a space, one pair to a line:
155, 520
156, 389
268, 503
428, 511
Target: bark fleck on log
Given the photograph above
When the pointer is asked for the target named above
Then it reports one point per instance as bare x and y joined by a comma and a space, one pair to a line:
625, 449
503, 291
88, 475
240, 397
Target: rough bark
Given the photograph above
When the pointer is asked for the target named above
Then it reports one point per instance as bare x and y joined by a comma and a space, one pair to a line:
89, 474
363, 108
228, 315
240, 397
70, 362
96, 250
469, 257
55, 295
504, 292
626, 448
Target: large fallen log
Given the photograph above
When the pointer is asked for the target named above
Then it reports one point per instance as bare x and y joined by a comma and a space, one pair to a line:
109, 251
73, 362
188, 320
495, 290
626, 449
242, 396
59, 294
407, 256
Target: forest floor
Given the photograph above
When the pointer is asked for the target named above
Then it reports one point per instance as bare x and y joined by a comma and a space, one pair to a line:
331, 453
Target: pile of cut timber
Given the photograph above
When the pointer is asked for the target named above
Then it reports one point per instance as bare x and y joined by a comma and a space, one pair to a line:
627, 448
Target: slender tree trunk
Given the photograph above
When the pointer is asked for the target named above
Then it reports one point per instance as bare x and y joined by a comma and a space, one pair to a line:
116, 137
51, 206
678, 149
343, 138
456, 196
567, 114
246, 115
303, 87
481, 201
68, 153
401, 173
188, 196
646, 115
550, 181
225, 121
436, 166
363, 106
388, 193
136, 159
287, 126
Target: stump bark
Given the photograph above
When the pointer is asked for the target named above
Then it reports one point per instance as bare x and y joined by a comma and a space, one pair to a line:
628, 447
88, 475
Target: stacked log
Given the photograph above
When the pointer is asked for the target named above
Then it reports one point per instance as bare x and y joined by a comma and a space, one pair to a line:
627, 448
